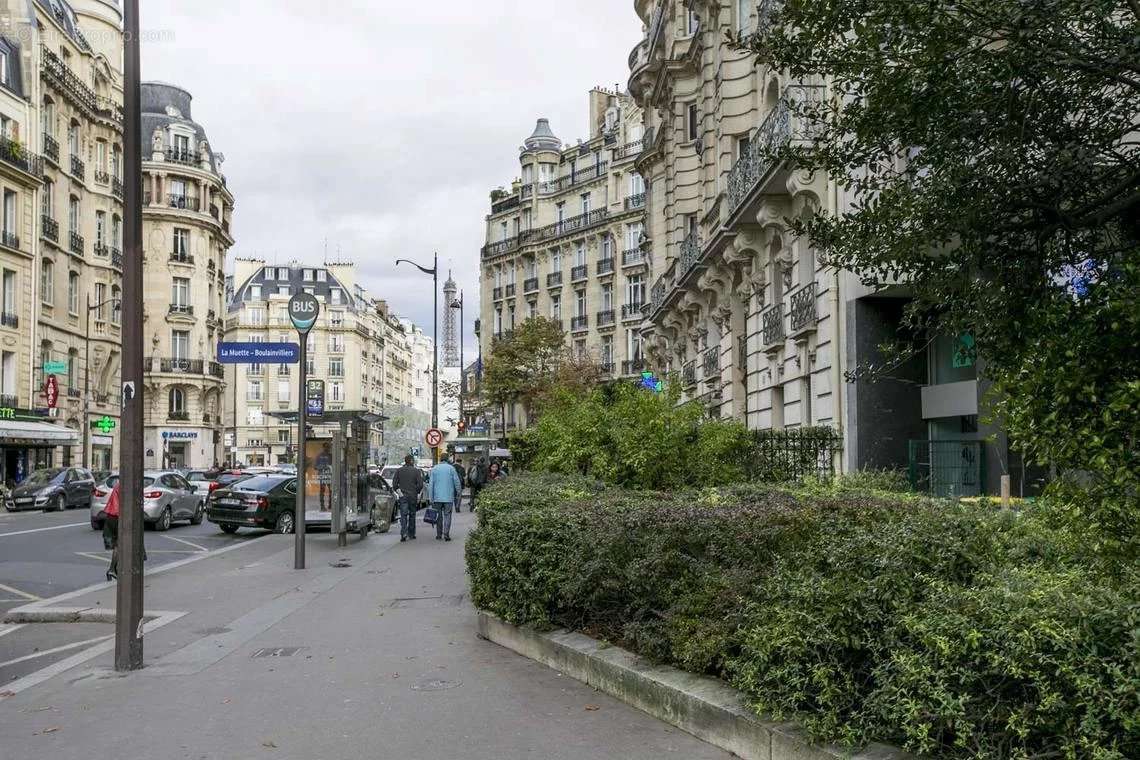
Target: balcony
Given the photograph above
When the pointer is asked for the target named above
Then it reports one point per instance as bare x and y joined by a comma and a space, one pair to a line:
49, 228
633, 257
187, 202
554, 280
184, 309
117, 187
497, 294
530, 284
633, 366
576, 177
635, 202
571, 226
772, 326
632, 310
101, 398
74, 393
101, 250
801, 309
76, 244
218, 371
778, 130
116, 258
10, 240
629, 150
579, 273
78, 168
211, 316
510, 290
607, 368
606, 266
9, 401
181, 257
503, 246
178, 416
102, 177
181, 366
690, 253
689, 374
606, 318
505, 203
710, 362
51, 148
9, 319
577, 324
61, 76
188, 157
15, 154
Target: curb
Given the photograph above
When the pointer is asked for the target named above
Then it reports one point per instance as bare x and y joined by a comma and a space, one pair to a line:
705, 707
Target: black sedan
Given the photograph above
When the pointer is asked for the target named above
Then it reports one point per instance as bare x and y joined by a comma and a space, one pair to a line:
53, 489
261, 501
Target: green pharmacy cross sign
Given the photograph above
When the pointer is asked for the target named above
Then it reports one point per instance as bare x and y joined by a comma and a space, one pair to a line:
104, 425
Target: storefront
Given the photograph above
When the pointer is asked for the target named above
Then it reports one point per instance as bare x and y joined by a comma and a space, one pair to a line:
179, 449
27, 445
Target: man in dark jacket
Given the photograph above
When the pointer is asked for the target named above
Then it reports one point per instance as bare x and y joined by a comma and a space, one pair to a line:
462, 482
408, 482
477, 478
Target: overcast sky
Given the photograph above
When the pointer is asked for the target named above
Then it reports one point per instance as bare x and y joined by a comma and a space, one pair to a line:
379, 126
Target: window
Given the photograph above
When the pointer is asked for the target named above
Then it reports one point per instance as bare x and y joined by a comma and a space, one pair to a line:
283, 435
253, 390
182, 145
694, 23
633, 344
8, 374
743, 143
73, 214
607, 247
580, 255
4, 76
255, 291
322, 275
744, 15
556, 307
254, 416
47, 282
635, 289
101, 155
100, 298
310, 365
73, 369
9, 292
116, 162
632, 236
580, 348
73, 139
585, 203
307, 275
116, 305
504, 233
180, 291
693, 121
9, 213
116, 233
100, 228
177, 193
336, 344
47, 118
636, 184
283, 392
177, 401
283, 290
180, 344
73, 292
607, 350
531, 309
181, 242
580, 303
691, 224
607, 297
47, 199
561, 212
556, 260
336, 367
335, 295
498, 321
528, 174
336, 318
255, 317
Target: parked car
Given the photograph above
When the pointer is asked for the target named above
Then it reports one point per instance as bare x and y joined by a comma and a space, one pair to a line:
53, 489
229, 477
203, 481
384, 501
167, 498
261, 501
389, 472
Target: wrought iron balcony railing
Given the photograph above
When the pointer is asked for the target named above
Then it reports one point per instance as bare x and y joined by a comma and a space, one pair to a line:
217, 370
181, 257
577, 177
49, 228
579, 273
10, 239
801, 309
530, 284
181, 366
78, 168
61, 76
509, 290
102, 176
497, 294
15, 154
605, 318
635, 202
101, 250
632, 257
772, 325
607, 368
76, 246
117, 187
689, 373
181, 308
188, 157
632, 366
690, 253
188, 202
178, 416
606, 266
116, 258
554, 279
711, 363
581, 322
632, 310
506, 203
571, 226
9, 319
51, 147
629, 150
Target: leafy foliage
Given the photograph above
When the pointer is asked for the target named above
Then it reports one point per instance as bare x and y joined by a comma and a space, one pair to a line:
956, 630
989, 150
520, 367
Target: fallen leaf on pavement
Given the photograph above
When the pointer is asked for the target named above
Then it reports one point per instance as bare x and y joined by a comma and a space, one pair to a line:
592, 708
50, 730
269, 745
6, 694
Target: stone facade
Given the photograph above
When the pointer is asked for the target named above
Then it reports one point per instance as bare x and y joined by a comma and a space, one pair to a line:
744, 312
565, 241
186, 232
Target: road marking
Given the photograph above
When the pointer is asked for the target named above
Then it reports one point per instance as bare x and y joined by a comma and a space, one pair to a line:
57, 650
5, 629
40, 530
188, 543
18, 592
96, 557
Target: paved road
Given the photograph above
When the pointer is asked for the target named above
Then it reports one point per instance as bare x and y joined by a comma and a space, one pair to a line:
44, 555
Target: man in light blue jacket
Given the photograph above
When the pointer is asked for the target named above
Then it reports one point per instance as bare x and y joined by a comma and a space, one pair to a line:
445, 488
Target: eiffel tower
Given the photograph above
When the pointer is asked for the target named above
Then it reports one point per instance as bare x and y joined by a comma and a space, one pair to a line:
450, 332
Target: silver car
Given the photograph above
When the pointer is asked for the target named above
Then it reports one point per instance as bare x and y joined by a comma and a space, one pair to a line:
167, 497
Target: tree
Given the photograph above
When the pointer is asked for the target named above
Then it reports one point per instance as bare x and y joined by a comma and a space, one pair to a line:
990, 148
521, 367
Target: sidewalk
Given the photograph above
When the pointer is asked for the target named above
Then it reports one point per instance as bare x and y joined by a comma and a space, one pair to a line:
387, 665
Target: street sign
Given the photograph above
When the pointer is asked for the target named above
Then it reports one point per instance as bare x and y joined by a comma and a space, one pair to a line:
433, 437
104, 425
51, 391
55, 368
303, 311
315, 398
259, 353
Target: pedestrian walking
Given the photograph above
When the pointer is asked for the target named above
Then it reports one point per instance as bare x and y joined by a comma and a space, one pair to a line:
477, 477
444, 484
462, 484
408, 482
495, 473
111, 531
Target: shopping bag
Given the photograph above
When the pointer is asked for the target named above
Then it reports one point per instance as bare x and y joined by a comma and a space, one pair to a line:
431, 515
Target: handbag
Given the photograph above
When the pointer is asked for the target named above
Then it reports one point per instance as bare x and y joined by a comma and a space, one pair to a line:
431, 515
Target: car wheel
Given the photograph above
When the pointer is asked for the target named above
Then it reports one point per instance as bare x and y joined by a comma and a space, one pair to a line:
284, 523
164, 520
199, 513
229, 528
10, 507
55, 505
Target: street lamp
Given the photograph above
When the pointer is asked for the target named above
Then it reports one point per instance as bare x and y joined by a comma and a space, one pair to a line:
87, 377
434, 272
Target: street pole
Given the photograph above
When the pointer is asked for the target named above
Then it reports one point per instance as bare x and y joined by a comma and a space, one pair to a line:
435, 353
302, 418
87, 388
129, 594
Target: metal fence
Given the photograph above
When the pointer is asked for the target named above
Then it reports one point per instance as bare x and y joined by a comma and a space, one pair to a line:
948, 468
793, 454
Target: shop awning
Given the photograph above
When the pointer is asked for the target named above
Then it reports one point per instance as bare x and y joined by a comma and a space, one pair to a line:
36, 434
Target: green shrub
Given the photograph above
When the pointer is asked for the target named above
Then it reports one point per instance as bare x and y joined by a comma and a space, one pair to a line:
951, 629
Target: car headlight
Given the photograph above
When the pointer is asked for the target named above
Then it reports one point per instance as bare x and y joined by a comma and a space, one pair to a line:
43, 496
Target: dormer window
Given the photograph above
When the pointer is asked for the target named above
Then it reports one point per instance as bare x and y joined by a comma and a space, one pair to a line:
322, 275
4, 75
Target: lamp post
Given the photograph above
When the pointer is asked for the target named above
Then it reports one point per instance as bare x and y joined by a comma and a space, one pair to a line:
458, 304
434, 272
87, 377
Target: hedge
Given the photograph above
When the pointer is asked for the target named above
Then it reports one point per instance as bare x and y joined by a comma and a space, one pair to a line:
953, 630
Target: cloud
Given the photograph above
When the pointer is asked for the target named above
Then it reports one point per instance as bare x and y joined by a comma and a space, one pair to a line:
381, 127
